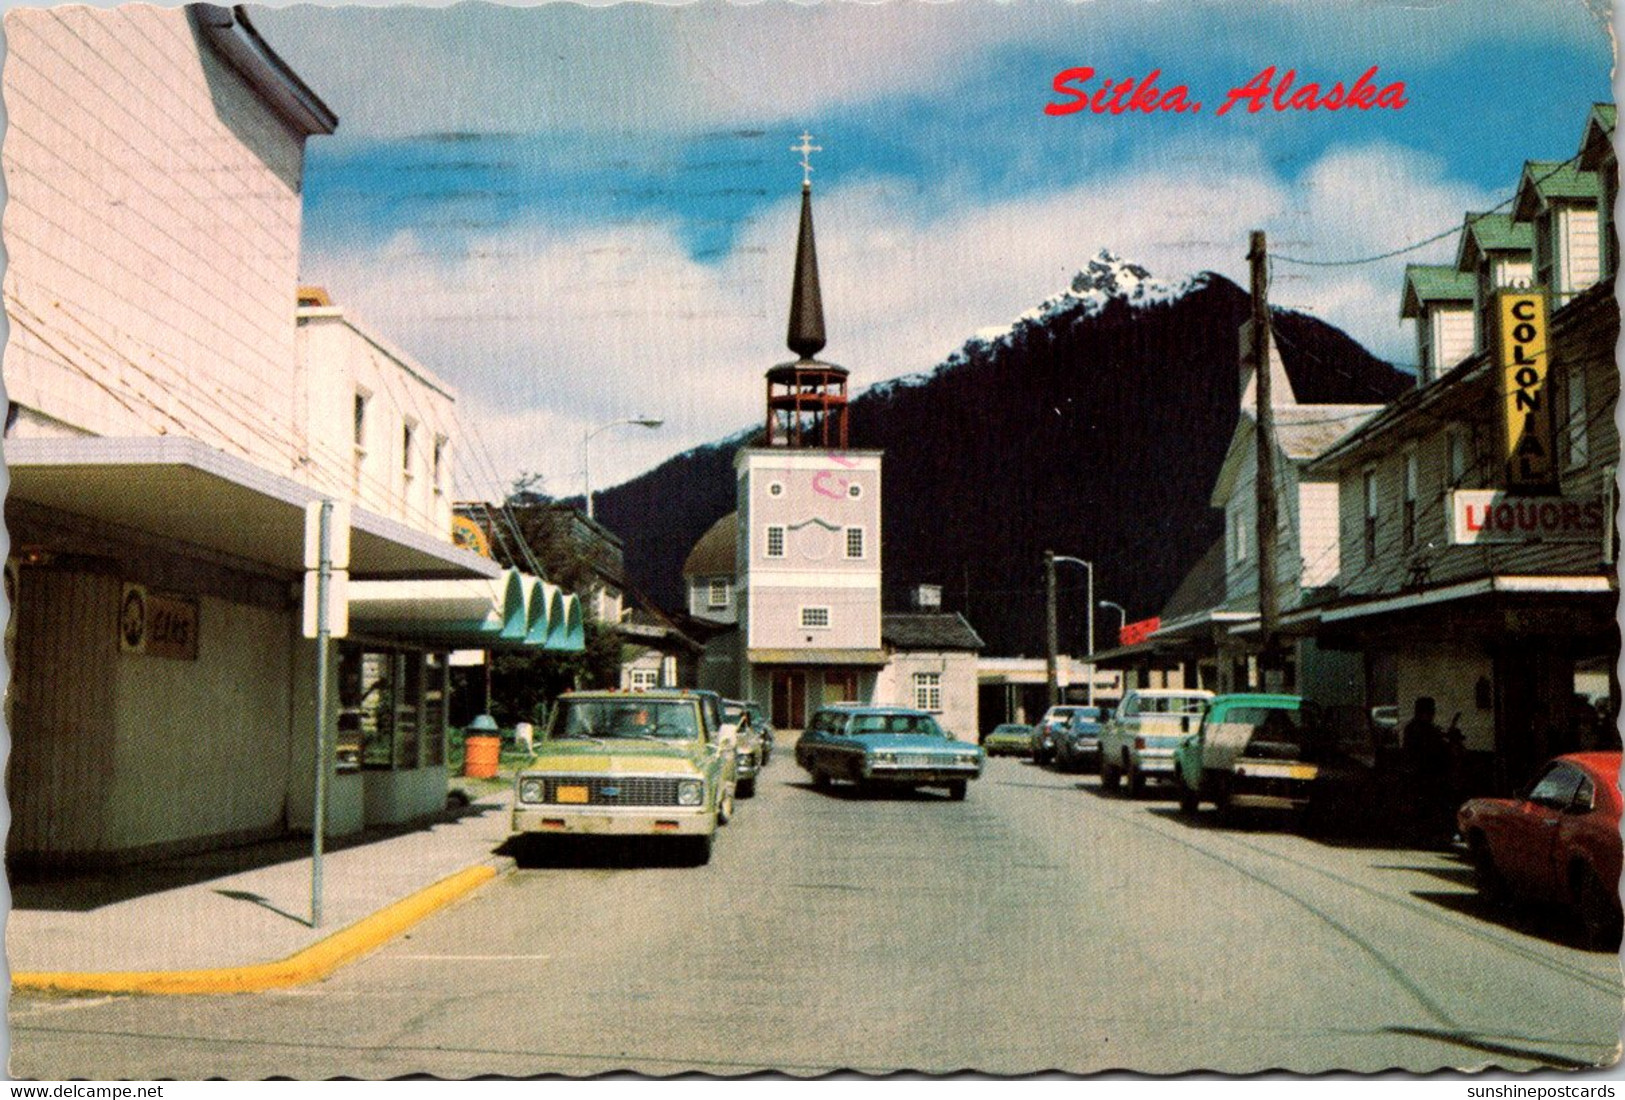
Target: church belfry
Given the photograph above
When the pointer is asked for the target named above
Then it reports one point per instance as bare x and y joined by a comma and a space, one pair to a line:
806, 399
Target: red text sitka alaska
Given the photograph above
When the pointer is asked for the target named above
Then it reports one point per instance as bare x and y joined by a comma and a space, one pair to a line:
1265, 90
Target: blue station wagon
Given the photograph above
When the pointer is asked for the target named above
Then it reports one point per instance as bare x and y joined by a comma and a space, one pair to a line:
891, 745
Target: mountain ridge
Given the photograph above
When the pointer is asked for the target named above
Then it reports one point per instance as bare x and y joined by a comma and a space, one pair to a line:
1096, 420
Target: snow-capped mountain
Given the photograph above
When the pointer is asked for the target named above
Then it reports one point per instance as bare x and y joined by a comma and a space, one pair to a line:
1093, 424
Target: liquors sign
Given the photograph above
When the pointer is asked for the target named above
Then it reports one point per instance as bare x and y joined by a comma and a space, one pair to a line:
1486, 516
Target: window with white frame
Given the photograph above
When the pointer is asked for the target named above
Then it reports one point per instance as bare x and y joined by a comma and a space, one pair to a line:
718, 596
928, 691
439, 470
408, 439
1238, 535
775, 542
1575, 426
1456, 450
643, 679
1369, 490
358, 433
814, 617
1409, 532
854, 542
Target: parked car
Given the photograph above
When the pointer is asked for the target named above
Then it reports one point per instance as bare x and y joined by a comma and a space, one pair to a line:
1140, 739
610, 763
1043, 740
1251, 751
1557, 840
1077, 744
893, 745
750, 754
758, 714
1011, 738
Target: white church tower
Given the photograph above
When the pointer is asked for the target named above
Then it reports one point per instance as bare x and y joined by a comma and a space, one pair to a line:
808, 545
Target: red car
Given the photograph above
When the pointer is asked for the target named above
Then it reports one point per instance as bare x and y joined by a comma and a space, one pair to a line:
1558, 840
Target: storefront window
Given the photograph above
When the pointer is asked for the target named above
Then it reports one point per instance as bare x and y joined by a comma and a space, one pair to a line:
390, 701
436, 688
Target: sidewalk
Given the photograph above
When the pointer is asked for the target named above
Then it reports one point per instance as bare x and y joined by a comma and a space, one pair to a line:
250, 906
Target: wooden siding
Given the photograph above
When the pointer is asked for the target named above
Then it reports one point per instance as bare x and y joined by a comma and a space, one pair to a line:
1451, 329
143, 179
1584, 340
61, 769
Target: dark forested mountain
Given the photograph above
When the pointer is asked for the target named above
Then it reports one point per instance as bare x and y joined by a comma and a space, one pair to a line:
1094, 426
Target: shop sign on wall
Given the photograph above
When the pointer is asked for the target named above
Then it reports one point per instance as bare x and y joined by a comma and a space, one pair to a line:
157, 625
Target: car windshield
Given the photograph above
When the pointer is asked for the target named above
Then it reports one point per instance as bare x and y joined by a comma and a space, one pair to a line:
631, 718
1172, 704
896, 723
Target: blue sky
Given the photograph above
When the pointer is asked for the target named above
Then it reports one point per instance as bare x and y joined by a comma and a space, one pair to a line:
578, 213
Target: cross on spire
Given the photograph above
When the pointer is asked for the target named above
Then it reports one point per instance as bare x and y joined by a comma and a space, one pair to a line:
806, 149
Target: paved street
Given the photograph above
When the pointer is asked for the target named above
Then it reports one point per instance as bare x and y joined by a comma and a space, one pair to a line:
1037, 925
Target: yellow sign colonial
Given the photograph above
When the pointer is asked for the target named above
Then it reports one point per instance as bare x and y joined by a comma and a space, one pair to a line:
1526, 412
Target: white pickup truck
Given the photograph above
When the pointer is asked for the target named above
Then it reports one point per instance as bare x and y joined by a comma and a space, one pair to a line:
1140, 739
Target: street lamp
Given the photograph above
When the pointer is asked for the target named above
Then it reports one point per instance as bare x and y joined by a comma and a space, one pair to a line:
586, 451
1122, 618
1090, 569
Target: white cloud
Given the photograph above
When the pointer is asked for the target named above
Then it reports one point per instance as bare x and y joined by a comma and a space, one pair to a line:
550, 333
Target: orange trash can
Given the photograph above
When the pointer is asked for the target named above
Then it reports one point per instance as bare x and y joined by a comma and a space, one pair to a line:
482, 748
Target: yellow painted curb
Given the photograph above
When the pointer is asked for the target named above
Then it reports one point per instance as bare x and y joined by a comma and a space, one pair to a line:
314, 962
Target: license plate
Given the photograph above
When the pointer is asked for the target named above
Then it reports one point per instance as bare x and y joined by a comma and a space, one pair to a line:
1281, 771
572, 794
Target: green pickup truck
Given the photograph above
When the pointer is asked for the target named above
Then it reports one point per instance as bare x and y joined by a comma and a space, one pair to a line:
1252, 751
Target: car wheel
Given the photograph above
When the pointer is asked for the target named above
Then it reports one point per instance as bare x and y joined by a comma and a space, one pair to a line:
956, 790
1108, 777
1189, 801
1136, 782
1599, 912
699, 849
820, 779
746, 788
1488, 877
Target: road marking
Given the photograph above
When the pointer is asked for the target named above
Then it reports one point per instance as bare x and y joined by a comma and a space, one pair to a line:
70, 1006
467, 958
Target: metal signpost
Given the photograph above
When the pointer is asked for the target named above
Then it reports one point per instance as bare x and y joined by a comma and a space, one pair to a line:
327, 561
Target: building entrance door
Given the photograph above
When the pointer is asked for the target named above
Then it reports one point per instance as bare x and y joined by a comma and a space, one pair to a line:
789, 700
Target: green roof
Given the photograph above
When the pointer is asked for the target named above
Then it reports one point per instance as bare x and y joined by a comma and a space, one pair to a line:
1433, 283
1485, 232
1596, 145
1545, 180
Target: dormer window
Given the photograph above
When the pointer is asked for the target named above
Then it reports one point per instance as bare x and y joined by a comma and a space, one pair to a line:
719, 593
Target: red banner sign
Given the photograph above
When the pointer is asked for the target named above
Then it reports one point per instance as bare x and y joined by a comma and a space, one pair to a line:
1138, 631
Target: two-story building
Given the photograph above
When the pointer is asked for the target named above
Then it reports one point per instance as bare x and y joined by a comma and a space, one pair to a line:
168, 426
1478, 551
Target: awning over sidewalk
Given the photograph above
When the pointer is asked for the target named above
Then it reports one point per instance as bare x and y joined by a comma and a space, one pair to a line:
513, 611
185, 490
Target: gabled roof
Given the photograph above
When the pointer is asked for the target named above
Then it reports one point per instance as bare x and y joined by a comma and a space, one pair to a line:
1302, 432
936, 630
1546, 181
1597, 143
1202, 588
1426, 283
1485, 232
713, 555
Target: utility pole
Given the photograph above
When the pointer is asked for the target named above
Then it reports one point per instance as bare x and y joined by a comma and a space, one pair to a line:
1268, 609
1051, 643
